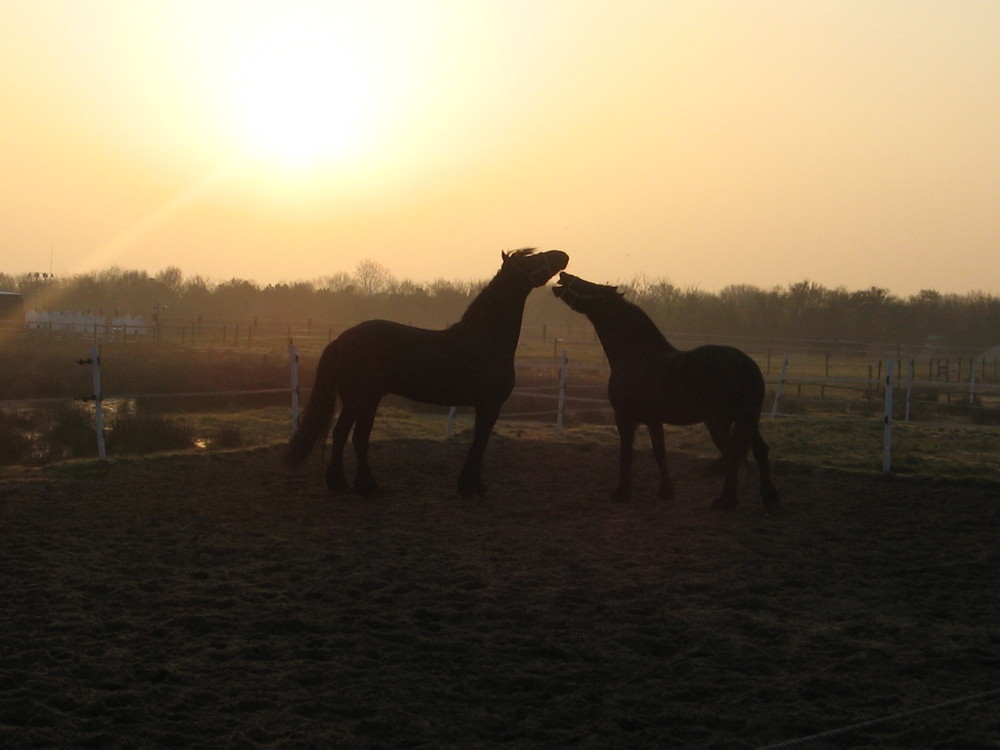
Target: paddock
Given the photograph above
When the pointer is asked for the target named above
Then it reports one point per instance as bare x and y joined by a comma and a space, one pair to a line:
215, 600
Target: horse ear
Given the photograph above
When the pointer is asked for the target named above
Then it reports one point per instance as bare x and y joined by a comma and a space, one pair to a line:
504, 255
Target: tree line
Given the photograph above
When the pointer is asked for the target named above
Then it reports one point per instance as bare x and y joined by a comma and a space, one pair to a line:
804, 310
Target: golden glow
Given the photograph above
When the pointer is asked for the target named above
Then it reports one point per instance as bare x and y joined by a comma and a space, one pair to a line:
302, 91
708, 143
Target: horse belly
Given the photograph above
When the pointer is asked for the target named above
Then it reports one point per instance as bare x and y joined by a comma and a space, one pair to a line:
447, 383
640, 396
680, 414
669, 408
431, 392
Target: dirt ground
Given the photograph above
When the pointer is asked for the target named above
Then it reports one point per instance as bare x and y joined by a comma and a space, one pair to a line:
216, 601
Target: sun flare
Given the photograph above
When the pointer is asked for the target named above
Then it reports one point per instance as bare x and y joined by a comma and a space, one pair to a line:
303, 93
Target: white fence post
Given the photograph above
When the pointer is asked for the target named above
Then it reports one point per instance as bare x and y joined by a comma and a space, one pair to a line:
293, 363
95, 369
909, 386
561, 409
777, 388
887, 428
95, 355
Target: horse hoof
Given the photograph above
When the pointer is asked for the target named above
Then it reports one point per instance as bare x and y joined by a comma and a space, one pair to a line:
469, 487
770, 498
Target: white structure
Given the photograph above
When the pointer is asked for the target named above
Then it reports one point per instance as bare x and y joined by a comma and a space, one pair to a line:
85, 323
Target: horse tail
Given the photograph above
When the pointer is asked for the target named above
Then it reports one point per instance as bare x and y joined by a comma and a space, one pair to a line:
318, 414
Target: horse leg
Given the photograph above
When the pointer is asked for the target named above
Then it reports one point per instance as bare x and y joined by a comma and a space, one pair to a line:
731, 463
470, 479
720, 430
626, 438
335, 478
660, 454
768, 493
364, 482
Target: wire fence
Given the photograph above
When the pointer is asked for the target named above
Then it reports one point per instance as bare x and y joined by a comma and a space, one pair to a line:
571, 388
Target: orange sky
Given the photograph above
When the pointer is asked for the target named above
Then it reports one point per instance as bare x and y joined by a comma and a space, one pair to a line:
851, 143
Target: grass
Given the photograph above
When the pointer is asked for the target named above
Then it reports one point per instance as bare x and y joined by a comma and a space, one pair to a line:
834, 444
851, 445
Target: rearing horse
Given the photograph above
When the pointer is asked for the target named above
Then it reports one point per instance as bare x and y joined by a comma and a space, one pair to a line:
653, 383
470, 363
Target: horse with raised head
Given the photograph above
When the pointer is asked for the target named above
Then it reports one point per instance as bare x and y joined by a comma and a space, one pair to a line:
470, 363
653, 383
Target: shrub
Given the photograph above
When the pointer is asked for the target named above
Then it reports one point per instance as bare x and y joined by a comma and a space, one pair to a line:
70, 433
985, 416
229, 436
15, 445
148, 433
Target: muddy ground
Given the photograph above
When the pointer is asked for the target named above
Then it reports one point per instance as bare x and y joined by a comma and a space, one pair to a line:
216, 601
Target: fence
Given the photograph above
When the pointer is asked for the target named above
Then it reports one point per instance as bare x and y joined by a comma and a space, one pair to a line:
887, 395
941, 361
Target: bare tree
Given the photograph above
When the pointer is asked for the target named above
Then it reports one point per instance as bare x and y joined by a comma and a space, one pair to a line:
338, 282
372, 278
172, 278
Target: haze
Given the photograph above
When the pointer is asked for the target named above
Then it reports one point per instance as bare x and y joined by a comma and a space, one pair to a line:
851, 143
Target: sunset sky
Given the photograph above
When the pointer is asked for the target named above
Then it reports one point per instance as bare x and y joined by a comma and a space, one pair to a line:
706, 142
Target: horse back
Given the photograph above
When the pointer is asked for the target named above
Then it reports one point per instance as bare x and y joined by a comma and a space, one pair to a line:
720, 378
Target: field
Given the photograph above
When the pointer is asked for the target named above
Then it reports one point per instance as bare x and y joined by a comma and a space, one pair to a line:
214, 600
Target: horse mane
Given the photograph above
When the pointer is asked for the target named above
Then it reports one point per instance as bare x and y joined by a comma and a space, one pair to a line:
635, 323
520, 253
493, 289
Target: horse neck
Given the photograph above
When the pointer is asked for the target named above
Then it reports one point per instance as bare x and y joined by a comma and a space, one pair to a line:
627, 332
497, 312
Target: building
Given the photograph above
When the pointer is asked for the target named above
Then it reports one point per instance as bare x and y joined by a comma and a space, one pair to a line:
11, 309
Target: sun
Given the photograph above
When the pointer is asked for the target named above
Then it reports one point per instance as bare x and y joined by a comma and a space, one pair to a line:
302, 93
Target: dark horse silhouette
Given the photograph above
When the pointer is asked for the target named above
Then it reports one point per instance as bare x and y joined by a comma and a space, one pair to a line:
653, 383
471, 363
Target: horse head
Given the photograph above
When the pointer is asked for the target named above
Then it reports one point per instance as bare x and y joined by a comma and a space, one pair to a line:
580, 294
537, 268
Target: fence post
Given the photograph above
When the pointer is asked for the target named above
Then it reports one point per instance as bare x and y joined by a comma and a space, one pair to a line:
887, 428
972, 383
451, 422
909, 386
95, 368
561, 409
777, 388
293, 363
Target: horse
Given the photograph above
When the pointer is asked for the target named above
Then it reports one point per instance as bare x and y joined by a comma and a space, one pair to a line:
470, 363
653, 383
